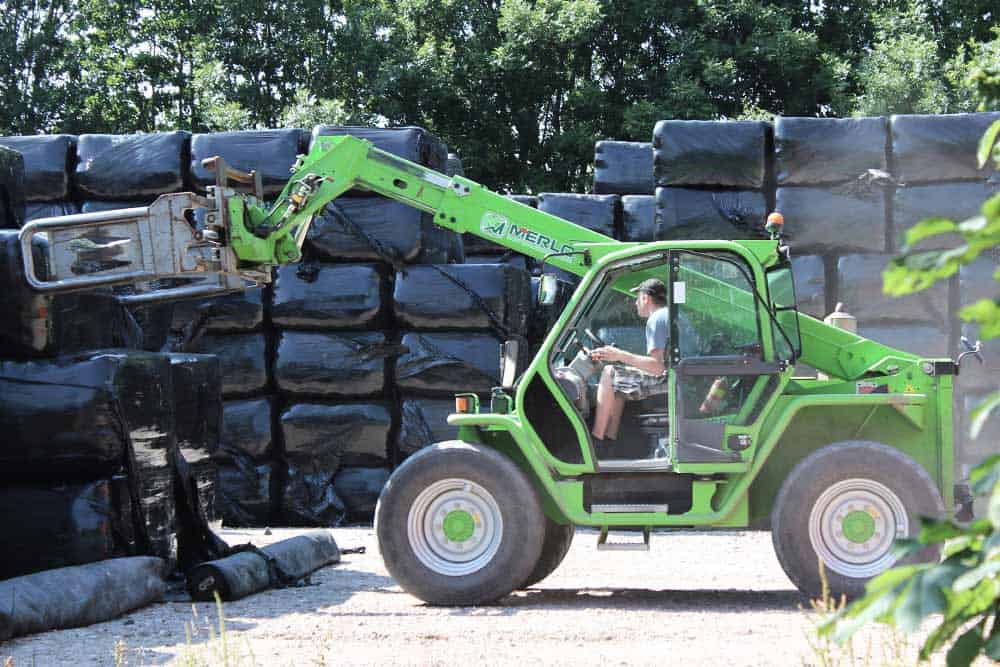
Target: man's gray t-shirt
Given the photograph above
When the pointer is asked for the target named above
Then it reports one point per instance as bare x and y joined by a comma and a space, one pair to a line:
658, 330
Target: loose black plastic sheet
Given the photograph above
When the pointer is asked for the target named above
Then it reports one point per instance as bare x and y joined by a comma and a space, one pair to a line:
246, 427
463, 296
595, 212
197, 387
687, 214
477, 245
833, 219
247, 572
242, 361
955, 201
243, 496
423, 422
72, 597
859, 288
49, 209
332, 365
309, 499
939, 147
410, 143
729, 153
623, 168
56, 525
328, 296
331, 435
446, 363
638, 218
99, 206
368, 228
360, 488
47, 161
268, 152
131, 166
816, 151
11, 189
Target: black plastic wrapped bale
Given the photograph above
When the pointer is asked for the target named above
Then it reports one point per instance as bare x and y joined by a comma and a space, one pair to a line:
360, 488
99, 206
47, 163
684, 214
454, 167
976, 282
514, 260
468, 296
131, 166
328, 296
595, 212
834, 219
332, 365
955, 201
939, 147
55, 525
247, 572
710, 152
271, 153
48, 209
810, 285
246, 427
423, 422
242, 360
331, 435
925, 340
242, 312
197, 385
817, 151
371, 229
36, 325
11, 189
477, 245
410, 143
638, 218
78, 596
972, 451
445, 363
243, 492
859, 288
308, 497
623, 168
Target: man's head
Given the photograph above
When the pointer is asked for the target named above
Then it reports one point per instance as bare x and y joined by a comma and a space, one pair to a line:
651, 295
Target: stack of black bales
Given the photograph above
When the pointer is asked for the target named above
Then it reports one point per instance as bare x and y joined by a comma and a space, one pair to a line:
48, 162
11, 189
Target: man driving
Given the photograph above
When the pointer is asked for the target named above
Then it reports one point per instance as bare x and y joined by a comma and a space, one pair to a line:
641, 376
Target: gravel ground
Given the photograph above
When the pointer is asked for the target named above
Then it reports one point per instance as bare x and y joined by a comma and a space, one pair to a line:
694, 599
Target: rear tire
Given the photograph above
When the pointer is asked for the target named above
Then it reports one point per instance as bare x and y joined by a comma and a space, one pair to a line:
459, 524
555, 546
845, 504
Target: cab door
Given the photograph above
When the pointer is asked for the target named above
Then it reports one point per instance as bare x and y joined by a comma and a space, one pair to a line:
721, 376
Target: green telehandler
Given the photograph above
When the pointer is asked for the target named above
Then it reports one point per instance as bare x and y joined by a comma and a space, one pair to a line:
838, 466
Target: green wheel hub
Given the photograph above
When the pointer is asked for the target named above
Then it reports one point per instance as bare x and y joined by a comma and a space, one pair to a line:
859, 526
459, 526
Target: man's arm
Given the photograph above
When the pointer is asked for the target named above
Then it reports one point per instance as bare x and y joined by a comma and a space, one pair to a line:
652, 364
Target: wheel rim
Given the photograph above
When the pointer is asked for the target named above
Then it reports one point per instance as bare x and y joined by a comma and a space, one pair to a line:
853, 524
454, 527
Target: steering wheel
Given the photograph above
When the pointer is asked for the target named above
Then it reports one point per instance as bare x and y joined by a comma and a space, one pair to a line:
594, 337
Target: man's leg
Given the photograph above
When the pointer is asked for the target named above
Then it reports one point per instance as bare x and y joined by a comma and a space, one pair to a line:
610, 406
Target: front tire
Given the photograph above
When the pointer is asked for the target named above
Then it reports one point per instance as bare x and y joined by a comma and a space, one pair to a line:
845, 505
459, 524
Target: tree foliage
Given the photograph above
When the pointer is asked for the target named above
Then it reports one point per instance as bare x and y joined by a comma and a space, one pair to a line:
520, 88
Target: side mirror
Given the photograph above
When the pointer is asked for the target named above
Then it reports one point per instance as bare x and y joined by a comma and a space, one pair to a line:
548, 289
508, 364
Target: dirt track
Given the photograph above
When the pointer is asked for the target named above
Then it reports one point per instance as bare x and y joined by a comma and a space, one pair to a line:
695, 599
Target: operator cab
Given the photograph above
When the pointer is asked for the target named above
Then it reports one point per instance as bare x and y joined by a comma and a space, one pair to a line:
724, 358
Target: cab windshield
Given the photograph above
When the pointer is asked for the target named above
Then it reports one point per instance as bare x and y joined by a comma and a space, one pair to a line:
788, 342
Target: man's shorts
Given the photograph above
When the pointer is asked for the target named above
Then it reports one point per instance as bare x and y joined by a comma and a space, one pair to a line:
636, 385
